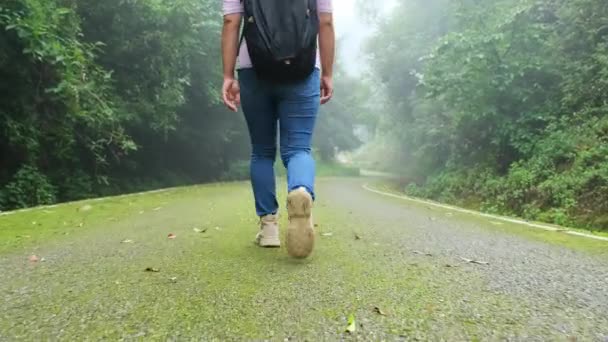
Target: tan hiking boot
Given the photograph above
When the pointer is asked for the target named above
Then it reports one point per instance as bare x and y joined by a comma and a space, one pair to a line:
300, 234
269, 232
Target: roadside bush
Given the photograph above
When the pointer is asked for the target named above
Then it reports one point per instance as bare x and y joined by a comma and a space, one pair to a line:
237, 171
28, 188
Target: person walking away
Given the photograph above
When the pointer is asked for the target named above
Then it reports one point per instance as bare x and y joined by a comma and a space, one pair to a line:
285, 71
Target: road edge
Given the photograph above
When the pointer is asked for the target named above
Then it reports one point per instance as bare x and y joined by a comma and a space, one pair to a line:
89, 200
546, 227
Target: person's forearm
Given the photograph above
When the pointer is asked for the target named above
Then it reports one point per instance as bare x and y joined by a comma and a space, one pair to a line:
327, 44
230, 43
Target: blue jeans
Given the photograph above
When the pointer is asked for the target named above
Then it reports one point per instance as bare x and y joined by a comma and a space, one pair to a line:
293, 108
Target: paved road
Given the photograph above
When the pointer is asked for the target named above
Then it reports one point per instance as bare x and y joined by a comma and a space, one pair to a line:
395, 266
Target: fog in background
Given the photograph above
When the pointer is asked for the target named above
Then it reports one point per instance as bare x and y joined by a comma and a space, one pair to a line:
352, 30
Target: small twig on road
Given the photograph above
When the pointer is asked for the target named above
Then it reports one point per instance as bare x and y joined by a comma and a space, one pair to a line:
471, 261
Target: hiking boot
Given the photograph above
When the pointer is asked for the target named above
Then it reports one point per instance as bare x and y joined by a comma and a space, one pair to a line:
269, 232
300, 233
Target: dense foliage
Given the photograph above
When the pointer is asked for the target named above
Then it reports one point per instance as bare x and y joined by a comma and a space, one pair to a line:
104, 97
500, 104
497, 104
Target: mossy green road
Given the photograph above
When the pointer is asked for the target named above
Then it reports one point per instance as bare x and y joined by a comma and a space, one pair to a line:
395, 266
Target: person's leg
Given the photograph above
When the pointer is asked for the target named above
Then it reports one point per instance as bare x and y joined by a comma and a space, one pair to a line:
298, 107
261, 116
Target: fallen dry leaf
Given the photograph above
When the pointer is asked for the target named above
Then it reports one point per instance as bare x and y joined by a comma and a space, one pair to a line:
198, 230
33, 258
379, 311
352, 326
152, 269
171, 236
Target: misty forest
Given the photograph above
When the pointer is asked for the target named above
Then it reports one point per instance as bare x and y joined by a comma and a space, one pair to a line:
461, 189
495, 105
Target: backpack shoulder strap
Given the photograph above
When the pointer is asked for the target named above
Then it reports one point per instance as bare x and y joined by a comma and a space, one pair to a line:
238, 49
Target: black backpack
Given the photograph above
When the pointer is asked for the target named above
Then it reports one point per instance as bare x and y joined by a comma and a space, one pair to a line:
281, 38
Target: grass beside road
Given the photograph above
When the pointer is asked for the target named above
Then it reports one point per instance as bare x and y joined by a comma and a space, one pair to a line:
558, 238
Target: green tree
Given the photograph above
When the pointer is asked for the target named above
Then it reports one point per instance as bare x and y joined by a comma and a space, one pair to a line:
500, 104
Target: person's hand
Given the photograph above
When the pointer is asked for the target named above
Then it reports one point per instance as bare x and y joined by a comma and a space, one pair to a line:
327, 89
231, 93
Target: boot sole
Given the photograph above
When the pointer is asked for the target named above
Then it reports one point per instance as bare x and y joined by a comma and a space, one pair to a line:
300, 233
269, 243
